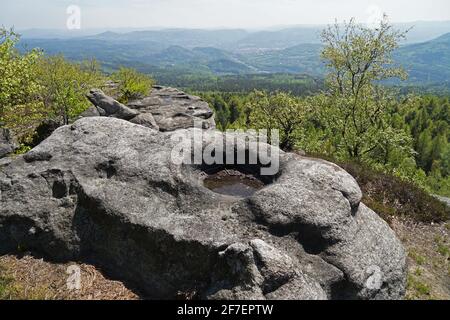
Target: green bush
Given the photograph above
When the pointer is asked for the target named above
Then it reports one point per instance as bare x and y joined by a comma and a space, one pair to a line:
19, 88
132, 84
64, 85
281, 111
35, 88
391, 196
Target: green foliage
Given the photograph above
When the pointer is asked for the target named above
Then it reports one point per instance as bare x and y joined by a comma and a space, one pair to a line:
23, 148
5, 285
280, 111
428, 121
229, 108
357, 117
389, 195
260, 110
18, 84
442, 248
64, 86
132, 84
418, 287
34, 88
297, 84
356, 111
418, 258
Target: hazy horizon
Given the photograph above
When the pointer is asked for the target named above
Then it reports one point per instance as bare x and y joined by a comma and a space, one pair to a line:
213, 14
268, 27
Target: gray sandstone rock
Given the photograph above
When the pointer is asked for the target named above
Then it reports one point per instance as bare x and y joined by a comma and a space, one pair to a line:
165, 109
111, 107
92, 111
106, 191
174, 109
146, 120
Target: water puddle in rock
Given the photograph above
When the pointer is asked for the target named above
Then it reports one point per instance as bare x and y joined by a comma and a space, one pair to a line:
233, 183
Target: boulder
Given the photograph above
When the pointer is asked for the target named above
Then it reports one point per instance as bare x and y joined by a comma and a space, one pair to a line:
165, 109
111, 107
92, 111
112, 193
173, 109
146, 120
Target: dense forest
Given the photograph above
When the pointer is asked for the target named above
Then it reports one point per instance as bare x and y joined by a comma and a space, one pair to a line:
297, 84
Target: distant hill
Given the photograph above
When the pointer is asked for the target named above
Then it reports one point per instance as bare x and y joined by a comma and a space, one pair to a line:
103, 50
304, 58
280, 39
427, 62
231, 39
142, 52
237, 52
188, 38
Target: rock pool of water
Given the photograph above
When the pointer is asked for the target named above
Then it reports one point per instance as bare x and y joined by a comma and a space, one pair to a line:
233, 183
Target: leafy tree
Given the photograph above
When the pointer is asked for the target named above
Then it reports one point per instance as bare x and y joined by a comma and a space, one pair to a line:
279, 111
234, 110
356, 109
64, 86
221, 109
19, 88
228, 108
132, 84
445, 164
439, 147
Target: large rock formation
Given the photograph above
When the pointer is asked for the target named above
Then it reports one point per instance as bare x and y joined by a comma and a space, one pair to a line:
166, 109
109, 192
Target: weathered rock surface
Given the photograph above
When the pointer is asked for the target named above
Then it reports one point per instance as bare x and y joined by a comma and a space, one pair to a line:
106, 191
146, 120
7, 145
165, 109
92, 111
174, 109
110, 107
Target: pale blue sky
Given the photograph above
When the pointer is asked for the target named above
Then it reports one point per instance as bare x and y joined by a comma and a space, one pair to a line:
212, 13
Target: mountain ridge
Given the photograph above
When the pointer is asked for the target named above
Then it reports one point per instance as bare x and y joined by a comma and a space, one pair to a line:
197, 51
